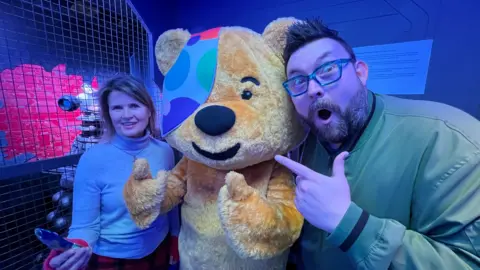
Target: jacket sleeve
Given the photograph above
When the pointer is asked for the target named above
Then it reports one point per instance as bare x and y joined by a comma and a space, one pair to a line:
444, 229
86, 202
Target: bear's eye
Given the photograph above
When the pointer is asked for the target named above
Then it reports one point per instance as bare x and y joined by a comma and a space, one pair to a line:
247, 94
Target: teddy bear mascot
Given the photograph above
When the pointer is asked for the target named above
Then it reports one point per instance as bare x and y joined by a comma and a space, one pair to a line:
224, 108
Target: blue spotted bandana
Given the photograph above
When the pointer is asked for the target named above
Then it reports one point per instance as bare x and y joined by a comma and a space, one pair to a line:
189, 82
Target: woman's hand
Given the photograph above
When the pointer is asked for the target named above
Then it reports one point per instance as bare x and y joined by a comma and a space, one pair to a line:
72, 259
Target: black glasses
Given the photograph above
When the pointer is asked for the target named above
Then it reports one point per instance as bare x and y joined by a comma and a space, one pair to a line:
325, 74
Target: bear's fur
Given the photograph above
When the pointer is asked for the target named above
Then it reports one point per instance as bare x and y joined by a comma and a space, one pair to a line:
237, 213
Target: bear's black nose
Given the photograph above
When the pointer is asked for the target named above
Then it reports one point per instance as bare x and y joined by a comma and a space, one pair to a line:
215, 120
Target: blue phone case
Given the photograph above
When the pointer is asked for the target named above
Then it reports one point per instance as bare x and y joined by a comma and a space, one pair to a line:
53, 241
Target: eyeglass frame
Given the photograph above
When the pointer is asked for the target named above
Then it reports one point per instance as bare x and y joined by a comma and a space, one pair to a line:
342, 62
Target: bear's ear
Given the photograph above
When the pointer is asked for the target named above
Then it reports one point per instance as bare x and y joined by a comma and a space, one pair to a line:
276, 32
168, 48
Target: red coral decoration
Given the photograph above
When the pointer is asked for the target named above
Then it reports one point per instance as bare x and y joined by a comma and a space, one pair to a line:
32, 122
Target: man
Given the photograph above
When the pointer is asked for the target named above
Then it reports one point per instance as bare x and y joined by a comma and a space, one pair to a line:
386, 183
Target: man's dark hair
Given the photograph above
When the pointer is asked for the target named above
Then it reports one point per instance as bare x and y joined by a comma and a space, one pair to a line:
301, 33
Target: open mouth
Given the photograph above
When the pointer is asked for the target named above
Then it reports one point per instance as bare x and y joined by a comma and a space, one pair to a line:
324, 114
227, 154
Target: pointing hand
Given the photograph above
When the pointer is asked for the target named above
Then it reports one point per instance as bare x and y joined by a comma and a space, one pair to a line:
322, 200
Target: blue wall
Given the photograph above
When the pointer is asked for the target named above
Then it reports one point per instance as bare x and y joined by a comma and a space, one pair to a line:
452, 26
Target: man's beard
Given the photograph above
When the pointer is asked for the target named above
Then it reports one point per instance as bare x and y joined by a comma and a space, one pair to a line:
348, 123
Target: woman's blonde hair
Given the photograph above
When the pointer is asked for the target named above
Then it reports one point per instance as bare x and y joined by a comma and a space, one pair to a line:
135, 89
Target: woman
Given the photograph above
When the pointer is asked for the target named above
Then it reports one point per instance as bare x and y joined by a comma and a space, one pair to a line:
100, 218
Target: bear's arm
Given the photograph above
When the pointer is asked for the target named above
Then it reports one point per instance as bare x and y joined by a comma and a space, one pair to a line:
259, 226
281, 195
148, 198
176, 186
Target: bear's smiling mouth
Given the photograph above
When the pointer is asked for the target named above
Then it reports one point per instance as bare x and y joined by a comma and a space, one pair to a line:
227, 154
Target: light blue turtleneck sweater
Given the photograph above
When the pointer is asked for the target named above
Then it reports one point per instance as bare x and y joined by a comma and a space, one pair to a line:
100, 216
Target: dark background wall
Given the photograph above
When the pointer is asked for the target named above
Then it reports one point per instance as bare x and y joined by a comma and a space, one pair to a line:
452, 24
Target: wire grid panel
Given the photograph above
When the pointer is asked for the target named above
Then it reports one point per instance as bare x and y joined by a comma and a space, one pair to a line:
53, 48
25, 204
49, 49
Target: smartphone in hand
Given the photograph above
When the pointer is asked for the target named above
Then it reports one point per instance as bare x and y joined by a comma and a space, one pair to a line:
54, 241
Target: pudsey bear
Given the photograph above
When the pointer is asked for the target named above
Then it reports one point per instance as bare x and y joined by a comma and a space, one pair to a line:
224, 108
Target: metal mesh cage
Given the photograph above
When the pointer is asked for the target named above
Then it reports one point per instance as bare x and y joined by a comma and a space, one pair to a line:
53, 56
52, 48
26, 202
